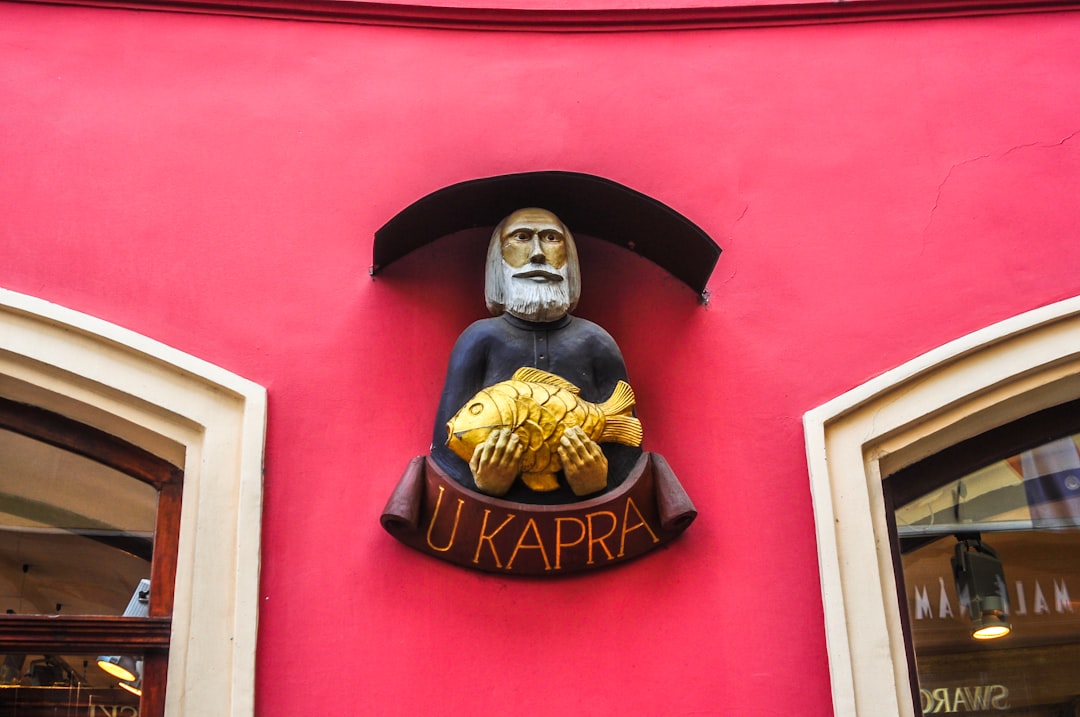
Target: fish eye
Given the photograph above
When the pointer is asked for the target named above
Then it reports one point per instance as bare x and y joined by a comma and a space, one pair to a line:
476, 408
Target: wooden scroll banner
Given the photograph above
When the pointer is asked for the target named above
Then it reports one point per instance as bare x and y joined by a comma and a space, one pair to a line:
434, 514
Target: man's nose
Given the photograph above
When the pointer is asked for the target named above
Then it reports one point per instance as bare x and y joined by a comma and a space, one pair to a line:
536, 252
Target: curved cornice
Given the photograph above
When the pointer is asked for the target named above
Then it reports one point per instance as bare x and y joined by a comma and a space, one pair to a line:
588, 204
588, 20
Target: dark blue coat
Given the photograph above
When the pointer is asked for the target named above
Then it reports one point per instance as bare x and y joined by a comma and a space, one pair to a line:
491, 350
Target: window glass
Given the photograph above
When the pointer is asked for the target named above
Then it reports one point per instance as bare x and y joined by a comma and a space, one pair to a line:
997, 548
76, 537
35, 684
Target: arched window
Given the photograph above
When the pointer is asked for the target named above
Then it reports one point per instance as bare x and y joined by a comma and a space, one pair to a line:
860, 441
93, 405
988, 545
88, 544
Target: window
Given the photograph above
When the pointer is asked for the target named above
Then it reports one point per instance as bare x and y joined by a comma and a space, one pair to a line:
190, 414
975, 384
88, 524
988, 540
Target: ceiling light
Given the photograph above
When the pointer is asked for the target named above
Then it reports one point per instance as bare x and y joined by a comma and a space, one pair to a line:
979, 575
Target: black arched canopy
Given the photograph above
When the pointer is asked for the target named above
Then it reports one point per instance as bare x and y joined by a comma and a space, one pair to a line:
586, 203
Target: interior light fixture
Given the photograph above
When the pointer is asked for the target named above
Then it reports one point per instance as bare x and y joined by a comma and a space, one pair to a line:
134, 687
978, 573
123, 667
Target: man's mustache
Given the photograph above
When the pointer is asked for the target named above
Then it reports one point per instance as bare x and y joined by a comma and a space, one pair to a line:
543, 272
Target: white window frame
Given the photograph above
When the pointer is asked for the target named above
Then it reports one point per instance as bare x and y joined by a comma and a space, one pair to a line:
984, 380
198, 416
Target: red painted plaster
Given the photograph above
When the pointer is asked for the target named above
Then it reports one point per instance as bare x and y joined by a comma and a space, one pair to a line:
214, 183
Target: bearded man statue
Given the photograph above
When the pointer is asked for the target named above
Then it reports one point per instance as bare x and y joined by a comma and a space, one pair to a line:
532, 283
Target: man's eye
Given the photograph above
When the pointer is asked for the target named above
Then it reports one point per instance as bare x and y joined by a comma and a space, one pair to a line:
552, 237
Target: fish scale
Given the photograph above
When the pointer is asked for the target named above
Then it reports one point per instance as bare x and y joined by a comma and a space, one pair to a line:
539, 407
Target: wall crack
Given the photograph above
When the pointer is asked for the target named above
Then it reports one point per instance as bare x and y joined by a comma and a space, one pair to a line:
954, 167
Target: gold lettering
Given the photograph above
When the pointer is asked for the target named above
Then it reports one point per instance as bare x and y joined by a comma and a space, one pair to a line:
942, 695
434, 517
531, 525
483, 537
559, 544
626, 525
998, 702
113, 710
978, 697
593, 541
964, 698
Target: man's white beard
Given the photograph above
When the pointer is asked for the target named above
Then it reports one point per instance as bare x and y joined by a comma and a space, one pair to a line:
536, 300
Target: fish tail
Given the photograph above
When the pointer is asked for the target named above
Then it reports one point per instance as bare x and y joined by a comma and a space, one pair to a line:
621, 402
622, 429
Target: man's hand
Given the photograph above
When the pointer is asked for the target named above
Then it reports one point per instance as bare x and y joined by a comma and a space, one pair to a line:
497, 462
583, 462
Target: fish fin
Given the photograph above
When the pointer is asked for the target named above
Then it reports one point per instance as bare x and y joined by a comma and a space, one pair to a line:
621, 429
540, 482
621, 402
536, 375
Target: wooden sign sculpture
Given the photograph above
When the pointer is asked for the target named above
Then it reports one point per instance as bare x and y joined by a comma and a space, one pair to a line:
538, 394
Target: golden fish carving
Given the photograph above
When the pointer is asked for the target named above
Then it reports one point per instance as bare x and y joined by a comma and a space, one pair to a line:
539, 406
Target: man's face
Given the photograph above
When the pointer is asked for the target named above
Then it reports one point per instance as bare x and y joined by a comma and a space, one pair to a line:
534, 236
535, 267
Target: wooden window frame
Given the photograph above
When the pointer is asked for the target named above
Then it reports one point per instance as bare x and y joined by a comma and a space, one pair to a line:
147, 636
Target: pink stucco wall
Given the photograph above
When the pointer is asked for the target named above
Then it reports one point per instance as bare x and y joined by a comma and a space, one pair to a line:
214, 183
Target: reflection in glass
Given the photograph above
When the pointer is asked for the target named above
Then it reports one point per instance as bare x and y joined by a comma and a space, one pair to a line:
980, 582
1026, 511
75, 537
1036, 488
32, 684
